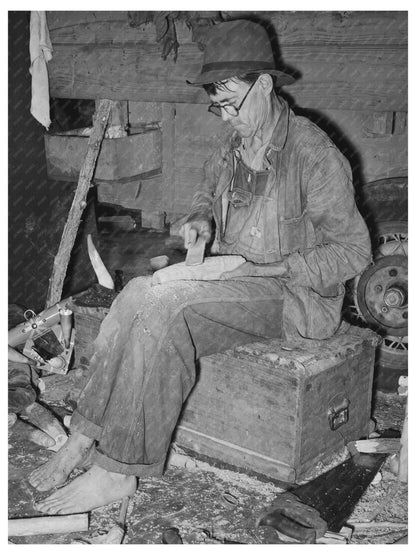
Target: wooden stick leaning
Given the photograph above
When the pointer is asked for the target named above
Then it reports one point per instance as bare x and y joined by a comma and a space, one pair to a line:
403, 461
69, 233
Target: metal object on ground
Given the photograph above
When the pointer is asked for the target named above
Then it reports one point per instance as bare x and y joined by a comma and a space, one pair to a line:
308, 512
336, 492
45, 340
289, 516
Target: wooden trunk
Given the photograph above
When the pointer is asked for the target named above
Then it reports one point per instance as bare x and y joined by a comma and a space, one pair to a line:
281, 408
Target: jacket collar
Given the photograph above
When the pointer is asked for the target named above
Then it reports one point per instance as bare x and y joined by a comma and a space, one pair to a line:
279, 136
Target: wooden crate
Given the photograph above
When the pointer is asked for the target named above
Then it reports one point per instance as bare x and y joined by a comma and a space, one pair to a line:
266, 407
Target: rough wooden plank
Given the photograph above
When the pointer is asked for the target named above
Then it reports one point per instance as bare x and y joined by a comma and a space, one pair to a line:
375, 78
103, 27
69, 233
345, 59
329, 27
292, 27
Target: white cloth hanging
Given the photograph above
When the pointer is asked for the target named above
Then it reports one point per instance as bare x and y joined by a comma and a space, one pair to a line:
40, 48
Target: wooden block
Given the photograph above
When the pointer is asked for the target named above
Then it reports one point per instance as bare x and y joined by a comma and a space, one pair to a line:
378, 445
265, 408
122, 223
153, 220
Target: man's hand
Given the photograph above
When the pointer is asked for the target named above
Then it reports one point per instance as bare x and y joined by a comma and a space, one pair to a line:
249, 269
190, 231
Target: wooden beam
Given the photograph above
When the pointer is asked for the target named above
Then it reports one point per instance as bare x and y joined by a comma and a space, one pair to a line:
350, 77
345, 60
291, 27
78, 204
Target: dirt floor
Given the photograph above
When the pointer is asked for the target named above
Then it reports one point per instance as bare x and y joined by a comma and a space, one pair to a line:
205, 502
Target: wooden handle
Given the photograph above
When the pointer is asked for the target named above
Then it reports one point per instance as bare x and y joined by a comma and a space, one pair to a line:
48, 525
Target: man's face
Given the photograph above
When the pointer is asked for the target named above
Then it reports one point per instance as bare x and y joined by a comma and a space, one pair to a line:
251, 114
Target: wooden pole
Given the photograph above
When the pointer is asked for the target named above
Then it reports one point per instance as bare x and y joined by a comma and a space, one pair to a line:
403, 459
33, 526
69, 233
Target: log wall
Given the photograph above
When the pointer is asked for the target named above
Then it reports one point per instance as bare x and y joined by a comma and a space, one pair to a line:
351, 70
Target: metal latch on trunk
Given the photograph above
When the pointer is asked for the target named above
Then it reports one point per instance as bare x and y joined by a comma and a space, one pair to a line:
338, 412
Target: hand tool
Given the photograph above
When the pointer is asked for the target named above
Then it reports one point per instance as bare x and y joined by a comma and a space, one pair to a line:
307, 511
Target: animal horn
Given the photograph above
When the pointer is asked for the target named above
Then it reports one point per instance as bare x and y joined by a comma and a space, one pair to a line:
103, 275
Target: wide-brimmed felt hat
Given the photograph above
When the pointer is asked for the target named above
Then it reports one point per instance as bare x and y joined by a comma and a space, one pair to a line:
235, 48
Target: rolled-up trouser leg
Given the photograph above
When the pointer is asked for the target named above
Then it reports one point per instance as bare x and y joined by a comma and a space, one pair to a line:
144, 363
21, 390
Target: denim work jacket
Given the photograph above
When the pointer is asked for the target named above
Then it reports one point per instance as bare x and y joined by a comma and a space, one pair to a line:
306, 215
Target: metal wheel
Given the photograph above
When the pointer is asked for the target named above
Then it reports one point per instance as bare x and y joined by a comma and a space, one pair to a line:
378, 298
381, 294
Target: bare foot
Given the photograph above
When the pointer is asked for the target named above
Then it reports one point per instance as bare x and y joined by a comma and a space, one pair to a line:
95, 488
55, 472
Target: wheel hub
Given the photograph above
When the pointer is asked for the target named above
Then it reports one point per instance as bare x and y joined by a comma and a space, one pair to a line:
382, 294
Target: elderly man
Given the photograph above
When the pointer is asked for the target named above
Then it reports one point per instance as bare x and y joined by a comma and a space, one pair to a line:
280, 194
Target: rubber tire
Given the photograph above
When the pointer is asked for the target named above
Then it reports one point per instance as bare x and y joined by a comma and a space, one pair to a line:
381, 203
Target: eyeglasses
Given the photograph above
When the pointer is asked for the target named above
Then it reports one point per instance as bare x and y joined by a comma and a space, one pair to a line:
229, 108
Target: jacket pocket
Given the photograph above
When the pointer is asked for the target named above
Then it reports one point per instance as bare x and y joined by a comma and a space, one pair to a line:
324, 311
296, 234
